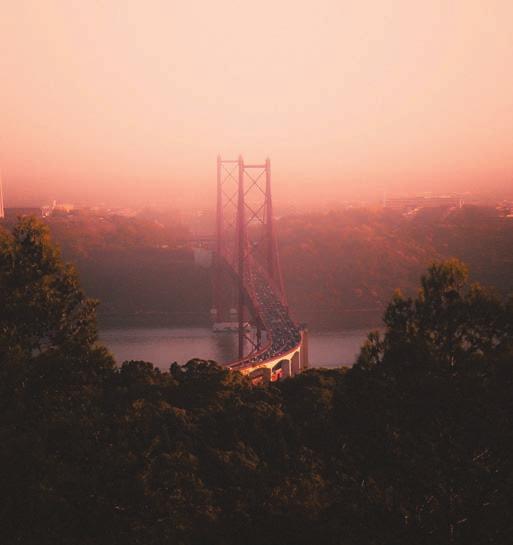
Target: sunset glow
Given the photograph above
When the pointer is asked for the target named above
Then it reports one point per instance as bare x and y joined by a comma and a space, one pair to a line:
131, 101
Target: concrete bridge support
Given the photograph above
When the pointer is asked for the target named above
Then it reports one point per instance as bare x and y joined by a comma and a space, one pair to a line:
266, 375
304, 350
295, 363
286, 368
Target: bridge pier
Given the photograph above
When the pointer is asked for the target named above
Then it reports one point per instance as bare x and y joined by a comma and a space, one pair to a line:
304, 350
295, 363
285, 368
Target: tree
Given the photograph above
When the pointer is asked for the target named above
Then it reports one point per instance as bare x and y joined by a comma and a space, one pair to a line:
42, 306
52, 382
402, 448
450, 321
433, 395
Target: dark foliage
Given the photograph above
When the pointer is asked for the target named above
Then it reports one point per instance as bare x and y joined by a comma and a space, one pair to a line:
411, 446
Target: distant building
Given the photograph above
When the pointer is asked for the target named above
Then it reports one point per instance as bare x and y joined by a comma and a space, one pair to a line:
64, 207
203, 257
47, 210
123, 212
430, 201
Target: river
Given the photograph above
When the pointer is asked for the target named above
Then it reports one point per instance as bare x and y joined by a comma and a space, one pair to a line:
162, 346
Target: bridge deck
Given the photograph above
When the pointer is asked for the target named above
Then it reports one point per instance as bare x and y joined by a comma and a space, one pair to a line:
282, 334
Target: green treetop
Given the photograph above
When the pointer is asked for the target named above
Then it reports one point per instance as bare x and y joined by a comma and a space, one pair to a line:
42, 305
450, 321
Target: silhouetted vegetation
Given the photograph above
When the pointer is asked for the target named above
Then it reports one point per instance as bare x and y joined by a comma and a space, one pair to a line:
410, 446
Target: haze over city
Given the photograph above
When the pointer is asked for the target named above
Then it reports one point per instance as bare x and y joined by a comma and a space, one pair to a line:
130, 102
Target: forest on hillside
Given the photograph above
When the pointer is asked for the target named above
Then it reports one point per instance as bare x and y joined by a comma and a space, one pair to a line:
340, 268
412, 445
140, 268
343, 267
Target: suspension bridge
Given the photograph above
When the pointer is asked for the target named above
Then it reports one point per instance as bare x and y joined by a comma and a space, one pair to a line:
247, 280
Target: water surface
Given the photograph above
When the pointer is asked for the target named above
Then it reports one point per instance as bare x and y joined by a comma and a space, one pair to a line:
162, 346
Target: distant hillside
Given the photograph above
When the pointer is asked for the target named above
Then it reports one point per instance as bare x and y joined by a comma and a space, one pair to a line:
139, 268
340, 268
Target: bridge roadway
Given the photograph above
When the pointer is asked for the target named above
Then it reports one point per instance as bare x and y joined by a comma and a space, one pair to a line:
285, 351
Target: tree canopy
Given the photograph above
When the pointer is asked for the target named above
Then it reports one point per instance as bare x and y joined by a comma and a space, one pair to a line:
411, 445
449, 323
42, 306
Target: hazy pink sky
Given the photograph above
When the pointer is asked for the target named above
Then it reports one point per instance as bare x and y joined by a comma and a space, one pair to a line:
103, 99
